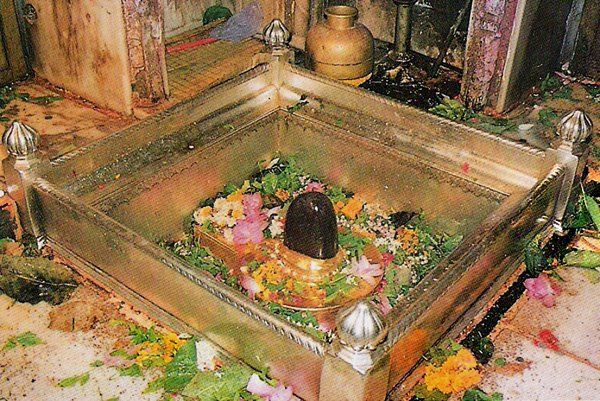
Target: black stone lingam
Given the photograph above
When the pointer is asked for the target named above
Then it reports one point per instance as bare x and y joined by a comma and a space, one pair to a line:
311, 226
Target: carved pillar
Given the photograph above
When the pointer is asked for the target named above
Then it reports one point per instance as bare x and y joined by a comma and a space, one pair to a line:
144, 21
21, 168
490, 32
574, 130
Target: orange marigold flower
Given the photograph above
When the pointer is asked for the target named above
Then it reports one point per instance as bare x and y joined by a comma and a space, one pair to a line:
457, 373
237, 196
282, 194
339, 205
465, 379
352, 208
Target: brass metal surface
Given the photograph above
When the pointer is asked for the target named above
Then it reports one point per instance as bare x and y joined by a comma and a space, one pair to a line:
340, 47
491, 190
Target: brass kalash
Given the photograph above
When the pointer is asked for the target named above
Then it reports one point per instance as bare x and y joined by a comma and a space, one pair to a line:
497, 193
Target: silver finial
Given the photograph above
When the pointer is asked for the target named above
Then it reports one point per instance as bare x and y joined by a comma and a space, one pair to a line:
575, 127
20, 140
361, 326
276, 34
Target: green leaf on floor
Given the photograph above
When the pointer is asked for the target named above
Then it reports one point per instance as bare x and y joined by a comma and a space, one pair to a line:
140, 335
229, 383
96, 364
548, 117
476, 394
535, 261
154, 386
422, 393
585, 259
549, 85
27, 339
132, 371
593, 276
74, 380
180, 371
452, 110
593, 209
500, 362
113, 399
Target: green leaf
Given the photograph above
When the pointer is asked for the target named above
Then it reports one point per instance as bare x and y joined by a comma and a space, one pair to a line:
10, 344
96, 364
121, 353
28, 339
180, 371
113, 399
229, 383
500, 362
422, 393
140, 335
593, 209
74, 380
586, 259
155, 385
132, 371
476, 394
548, 117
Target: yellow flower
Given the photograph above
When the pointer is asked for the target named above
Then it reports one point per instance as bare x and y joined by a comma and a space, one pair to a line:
236, 197
282, 194
465, 379
339, 205
457, 373
352, 208
201, 215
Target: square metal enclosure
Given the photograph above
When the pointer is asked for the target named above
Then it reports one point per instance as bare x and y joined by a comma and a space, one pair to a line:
108, 205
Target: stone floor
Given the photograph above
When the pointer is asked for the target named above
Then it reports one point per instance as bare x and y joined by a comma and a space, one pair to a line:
536, 372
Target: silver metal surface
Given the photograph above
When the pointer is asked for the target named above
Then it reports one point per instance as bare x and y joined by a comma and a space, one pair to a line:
361, 326
490, 189
276, 35
575, 127
20, 140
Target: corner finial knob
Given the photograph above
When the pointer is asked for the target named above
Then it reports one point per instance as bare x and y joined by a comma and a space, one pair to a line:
575, 127
361, 326
20, 140
276, 34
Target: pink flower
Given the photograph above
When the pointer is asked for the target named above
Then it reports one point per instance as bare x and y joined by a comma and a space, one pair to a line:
250, 285
363, 269
384, 304
542, 288
252, 204
387, 259
258, 387
250, 230
315, 187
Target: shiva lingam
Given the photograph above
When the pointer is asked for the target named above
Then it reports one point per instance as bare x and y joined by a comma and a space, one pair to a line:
309, 255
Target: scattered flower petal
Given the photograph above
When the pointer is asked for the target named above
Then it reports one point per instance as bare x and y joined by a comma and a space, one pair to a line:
250, 285
258, 387
542, 288
315, 187
362, 269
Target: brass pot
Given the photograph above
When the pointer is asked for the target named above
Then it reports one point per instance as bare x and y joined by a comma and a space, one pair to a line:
340, 47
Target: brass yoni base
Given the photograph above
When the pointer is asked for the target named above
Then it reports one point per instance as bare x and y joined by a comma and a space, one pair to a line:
493, 191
